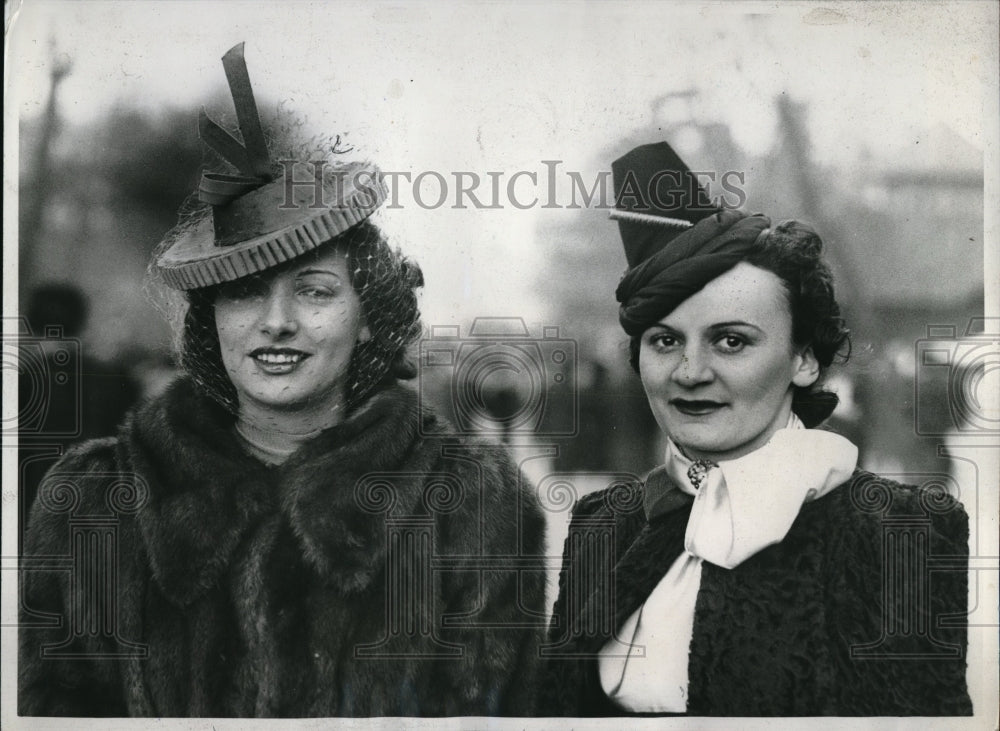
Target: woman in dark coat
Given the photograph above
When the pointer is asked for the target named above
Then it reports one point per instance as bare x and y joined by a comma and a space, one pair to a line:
287, 531
758, 571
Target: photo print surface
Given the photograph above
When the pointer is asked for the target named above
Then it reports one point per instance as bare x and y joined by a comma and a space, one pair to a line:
514, 363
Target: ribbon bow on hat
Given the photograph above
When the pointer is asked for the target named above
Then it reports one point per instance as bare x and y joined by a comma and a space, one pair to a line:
252, 157
263, 216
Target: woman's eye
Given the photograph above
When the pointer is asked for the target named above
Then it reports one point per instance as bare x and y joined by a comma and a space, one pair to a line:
662, 341
315, 292
732, 343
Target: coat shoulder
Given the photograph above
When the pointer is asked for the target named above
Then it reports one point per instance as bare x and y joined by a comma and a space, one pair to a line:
479, 495
489, 491
621, 499
470, 455
81, 482
868, 504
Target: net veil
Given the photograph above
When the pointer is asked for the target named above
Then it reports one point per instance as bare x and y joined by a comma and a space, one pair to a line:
384, 279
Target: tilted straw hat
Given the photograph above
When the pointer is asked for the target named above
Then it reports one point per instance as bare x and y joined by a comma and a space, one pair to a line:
273, 211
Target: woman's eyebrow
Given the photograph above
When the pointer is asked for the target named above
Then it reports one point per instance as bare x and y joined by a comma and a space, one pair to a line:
313, 270
735, 323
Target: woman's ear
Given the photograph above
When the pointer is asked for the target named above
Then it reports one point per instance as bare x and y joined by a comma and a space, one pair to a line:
364, 334
806, 368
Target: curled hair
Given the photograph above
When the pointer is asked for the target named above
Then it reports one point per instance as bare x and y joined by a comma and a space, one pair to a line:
385, 282
793, 252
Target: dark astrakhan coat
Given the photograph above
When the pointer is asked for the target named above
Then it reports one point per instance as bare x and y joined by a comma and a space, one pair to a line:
375, 572
860, 610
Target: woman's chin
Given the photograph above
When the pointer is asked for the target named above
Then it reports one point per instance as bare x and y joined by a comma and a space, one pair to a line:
289, 397
715, 449
706, 444
699, 437
701, 451
282, 401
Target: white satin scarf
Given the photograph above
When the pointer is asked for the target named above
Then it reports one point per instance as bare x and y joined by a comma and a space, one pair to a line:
744, 505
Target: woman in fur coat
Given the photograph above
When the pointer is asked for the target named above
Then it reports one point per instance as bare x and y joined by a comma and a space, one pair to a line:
758, 571
286, 531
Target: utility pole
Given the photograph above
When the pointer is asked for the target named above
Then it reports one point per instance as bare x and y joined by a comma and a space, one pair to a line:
36, 184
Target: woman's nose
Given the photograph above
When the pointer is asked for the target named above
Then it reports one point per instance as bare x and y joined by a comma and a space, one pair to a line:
278, 316
692, 369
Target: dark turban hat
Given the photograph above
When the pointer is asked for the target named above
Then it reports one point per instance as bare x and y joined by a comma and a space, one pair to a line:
675, 240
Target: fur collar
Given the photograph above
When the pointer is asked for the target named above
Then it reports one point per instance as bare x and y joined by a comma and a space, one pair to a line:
206, 494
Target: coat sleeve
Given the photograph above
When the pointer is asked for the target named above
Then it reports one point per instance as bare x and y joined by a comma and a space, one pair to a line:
521, 692
585, 506
899, 604
495, 608
62, 672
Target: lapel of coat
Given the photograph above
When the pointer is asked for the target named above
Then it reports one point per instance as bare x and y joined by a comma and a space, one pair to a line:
645, 561
341, 492
204, 492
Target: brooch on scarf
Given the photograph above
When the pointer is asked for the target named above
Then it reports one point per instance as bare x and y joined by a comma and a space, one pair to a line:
698, 471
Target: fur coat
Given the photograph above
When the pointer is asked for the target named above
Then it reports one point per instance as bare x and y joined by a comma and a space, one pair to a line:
375, 572
845, 616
